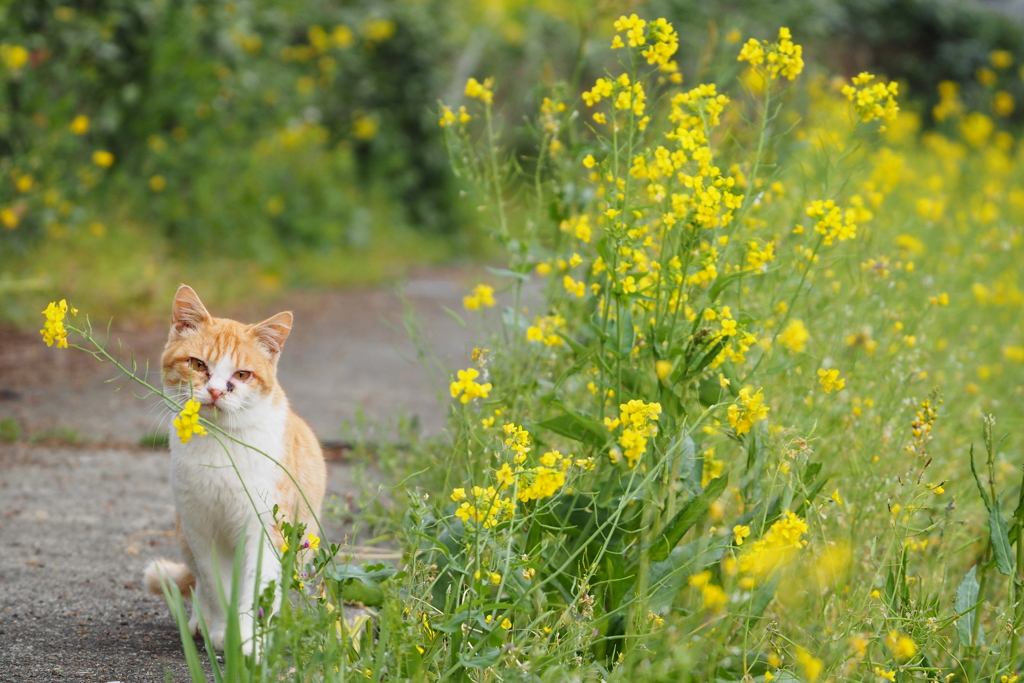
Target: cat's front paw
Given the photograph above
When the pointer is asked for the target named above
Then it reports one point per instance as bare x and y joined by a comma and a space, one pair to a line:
249, 647
217, 639
193, 625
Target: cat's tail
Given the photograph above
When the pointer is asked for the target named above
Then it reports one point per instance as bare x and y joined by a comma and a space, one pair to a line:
162, 570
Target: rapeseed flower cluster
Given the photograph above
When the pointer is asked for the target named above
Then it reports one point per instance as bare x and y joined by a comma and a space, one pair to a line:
187, 422
872, 100
777, 547
545, 329
53, 330
636, 418
481, 91
748, 410
482, 295
781, 57
483, 506
466, 388
832, 221
921, 425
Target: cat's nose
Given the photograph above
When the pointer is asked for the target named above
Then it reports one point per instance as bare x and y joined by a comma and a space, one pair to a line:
215, 394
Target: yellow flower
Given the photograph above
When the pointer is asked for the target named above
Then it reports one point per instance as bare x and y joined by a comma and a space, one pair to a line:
103, 158
795, 336
80, 125
481, 91
748, 410
830, 380
378, 30
313, 542
886, 675
872, 101
458, 494
157, 183
811, 665
482, 295
740, 532
902, 647
588, 161
364, 128
9, 217
53, 329
468, 387
13, 56
506, 624
187, 422
24, 183
1001, 59
342, 36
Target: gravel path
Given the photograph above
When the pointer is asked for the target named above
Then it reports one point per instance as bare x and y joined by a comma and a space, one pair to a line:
77, 527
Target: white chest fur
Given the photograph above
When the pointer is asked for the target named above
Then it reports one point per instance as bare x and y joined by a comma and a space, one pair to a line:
222, 487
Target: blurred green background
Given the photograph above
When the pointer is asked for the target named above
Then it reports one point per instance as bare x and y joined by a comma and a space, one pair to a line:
248, 147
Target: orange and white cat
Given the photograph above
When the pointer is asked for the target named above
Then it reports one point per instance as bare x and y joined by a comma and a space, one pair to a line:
225, 490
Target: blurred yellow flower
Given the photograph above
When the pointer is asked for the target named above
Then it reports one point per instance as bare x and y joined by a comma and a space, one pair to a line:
14, 57
1003, 103
481, 91
830, 380
795, 336
342, 36
158, 183
902, 647
364, 128
80, 125
378, 30
811, 665
103, 158
468, 387
9, 217
482, 295
1001, 59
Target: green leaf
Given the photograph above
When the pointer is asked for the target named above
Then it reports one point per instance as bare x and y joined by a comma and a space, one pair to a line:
977, 480
621, 344
575, 426
724, 281
668, 577
1000, 541
360, 585
456, 316
481, 661
696, 368
578, 349
504, 272
966, 600
694, 510
761, 599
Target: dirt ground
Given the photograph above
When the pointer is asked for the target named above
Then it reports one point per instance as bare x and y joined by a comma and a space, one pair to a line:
79, 522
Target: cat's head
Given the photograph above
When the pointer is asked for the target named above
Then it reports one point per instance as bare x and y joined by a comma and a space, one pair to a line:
221, 363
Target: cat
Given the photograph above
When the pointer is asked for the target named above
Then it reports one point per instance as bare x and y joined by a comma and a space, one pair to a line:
231, 369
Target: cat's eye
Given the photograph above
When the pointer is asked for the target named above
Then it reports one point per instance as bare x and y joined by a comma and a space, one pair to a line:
196, 364
243, 375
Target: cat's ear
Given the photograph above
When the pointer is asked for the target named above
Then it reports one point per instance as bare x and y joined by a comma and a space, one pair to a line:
272, 332
188, 312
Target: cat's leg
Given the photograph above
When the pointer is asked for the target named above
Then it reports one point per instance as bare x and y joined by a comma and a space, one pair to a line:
261, 567
206, 596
